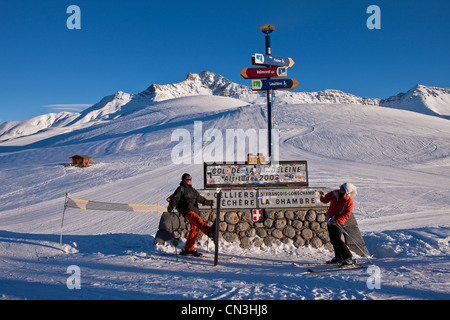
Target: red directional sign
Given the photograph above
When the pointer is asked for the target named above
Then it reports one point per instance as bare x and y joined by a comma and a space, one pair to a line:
272, 72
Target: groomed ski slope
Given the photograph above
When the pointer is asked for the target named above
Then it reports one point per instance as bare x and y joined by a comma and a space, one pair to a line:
399, 160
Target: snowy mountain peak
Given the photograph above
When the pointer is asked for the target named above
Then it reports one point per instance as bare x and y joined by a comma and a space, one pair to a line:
423, 99
15, 129
108, 108
122, 103
204, 83
120, 95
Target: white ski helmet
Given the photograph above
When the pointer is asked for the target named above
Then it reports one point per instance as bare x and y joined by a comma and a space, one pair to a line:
349, 188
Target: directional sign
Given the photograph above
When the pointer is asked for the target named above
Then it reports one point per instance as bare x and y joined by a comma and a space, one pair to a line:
268, 60
232, 198
289, 198
284, 84
272, 72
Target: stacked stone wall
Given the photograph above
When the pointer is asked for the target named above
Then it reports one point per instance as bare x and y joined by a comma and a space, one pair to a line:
300, 227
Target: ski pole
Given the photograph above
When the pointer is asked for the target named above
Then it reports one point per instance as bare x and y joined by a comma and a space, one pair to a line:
340, 227
216, 237
62, 220
174, 241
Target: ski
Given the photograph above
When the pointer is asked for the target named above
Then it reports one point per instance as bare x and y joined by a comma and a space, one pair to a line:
202, 255
305, 265
341, 268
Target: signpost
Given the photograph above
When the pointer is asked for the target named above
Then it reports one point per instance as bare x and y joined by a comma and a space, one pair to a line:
216, 238
276, 68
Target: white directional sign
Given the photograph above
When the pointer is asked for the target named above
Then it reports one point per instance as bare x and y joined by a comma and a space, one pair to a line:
232, 199
289, 198
265, 198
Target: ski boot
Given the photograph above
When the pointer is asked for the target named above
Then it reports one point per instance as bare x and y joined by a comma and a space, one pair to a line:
193, 253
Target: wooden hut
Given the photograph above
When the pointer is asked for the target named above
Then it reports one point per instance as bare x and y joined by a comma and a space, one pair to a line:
81, 160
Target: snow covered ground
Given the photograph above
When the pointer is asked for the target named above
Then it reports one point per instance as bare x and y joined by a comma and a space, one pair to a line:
399, 160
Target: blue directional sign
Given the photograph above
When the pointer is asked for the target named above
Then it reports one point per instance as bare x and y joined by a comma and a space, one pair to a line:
268, 60
275, 84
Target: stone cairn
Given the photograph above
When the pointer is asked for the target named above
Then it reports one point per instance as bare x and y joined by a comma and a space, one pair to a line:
299, 226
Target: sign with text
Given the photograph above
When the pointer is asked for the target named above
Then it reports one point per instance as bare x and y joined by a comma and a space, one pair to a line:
289, 198
265, 198
279, 174
268, 60
274, 84
256, 73
232, 199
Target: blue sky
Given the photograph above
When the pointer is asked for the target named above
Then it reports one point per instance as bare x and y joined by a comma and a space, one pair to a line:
129, 45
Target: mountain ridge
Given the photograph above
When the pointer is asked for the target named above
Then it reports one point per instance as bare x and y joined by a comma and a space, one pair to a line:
428, 100
433, 101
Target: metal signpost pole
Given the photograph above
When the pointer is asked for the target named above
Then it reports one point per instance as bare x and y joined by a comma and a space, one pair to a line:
216, 239
275, 67
267, 30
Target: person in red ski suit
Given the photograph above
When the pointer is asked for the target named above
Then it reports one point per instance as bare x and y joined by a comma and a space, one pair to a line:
341, 206
186, 199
